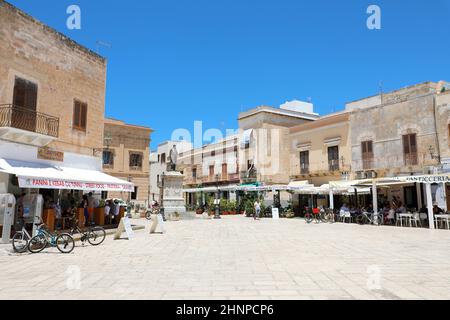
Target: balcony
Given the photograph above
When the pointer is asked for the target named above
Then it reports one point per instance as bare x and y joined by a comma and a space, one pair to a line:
333, 165
22, 125
411, 159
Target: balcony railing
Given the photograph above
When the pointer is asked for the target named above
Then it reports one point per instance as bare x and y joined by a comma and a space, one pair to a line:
411, 159
333, 165
22, 118
304, 168
368, 163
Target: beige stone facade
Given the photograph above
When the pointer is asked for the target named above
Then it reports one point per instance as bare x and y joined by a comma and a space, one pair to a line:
126, 156
61, 70
268, 149
311, 145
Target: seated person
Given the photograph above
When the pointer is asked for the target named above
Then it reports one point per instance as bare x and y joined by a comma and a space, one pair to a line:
437, 210
423, 209
401, 208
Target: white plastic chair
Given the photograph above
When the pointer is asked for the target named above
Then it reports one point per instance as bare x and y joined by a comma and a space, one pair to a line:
416, 220
345, 215
391, 216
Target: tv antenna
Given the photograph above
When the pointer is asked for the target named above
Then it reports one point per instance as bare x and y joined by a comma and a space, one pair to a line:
104, 44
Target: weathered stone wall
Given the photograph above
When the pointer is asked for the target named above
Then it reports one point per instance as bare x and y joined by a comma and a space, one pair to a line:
386, 124
123, 140
443, 121
62, 70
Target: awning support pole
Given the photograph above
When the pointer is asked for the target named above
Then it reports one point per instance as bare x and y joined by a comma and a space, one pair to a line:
375, 197
331, 199
430, 206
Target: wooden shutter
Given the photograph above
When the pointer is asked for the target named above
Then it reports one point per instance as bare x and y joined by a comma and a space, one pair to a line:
79, 115
83, 116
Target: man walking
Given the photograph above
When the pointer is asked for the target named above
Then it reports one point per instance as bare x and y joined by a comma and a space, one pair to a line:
257, 206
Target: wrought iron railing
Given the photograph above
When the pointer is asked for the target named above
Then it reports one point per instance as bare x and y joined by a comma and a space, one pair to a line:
25, 119
411, 159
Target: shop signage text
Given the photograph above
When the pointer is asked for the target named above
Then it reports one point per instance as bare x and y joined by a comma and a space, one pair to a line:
72, 185
47, 154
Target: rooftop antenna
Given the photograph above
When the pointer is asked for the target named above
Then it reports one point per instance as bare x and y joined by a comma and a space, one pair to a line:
380, 86
104, 44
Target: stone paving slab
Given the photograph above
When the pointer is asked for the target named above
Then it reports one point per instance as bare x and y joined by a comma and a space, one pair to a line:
239, 258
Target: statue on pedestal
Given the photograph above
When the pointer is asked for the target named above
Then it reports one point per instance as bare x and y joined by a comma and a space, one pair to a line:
173, 158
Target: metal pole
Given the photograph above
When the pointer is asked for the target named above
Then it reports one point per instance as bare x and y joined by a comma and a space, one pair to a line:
217, 213
331, 199
430, 206
375, 198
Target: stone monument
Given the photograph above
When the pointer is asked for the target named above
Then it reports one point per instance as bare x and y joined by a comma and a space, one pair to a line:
172, 193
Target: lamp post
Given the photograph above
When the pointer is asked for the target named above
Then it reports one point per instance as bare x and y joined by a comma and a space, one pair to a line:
130, 179
161, 192
217, 212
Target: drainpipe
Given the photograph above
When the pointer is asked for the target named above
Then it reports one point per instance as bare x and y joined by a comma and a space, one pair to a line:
436, 129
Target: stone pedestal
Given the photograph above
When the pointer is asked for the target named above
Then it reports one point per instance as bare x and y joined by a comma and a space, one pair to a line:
173, 200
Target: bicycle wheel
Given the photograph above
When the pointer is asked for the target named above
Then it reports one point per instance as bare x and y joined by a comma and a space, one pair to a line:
96, 236
37, 244
308, 218
20, 242
360, 220
65, 243
323, 217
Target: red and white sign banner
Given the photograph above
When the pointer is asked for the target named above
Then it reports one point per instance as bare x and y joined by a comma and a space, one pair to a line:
42, 183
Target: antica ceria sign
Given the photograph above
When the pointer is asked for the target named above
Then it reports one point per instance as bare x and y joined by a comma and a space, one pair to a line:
48, 154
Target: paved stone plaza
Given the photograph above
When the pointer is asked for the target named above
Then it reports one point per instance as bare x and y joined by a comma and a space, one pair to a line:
239, 258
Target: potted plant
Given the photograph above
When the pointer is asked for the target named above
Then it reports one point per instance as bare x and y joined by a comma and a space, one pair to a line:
232, 207
224, 207
99, 213
175, 216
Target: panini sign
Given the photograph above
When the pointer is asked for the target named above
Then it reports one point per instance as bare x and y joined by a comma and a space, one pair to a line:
42, 183
48, 154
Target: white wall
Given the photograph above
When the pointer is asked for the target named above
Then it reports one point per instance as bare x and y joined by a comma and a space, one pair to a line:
20, 152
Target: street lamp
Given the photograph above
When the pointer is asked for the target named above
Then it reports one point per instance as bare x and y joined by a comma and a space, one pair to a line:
161, 193
217, 213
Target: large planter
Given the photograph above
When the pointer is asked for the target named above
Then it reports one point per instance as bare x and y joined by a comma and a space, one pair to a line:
99, 216
81, 218
199, 211
121, 215
49, 217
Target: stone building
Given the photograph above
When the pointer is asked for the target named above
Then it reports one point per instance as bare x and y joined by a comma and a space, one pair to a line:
404, 132
50, 85
126, 156
320, 150
212, 165
265, 146
158, 164
52, 106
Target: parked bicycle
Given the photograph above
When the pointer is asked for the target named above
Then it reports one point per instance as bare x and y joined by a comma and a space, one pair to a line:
327, 215
153, 210
95, 235
369, 218
44, 238
21, 239
313, 214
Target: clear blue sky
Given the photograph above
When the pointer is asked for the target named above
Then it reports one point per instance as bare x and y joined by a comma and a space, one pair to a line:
174, 62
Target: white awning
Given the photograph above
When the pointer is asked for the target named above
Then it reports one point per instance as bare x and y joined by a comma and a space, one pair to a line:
43, 176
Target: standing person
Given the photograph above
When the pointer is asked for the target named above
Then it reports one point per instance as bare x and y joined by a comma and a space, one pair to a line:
116, 211
20, 210
257, 206
107, 210
84, 206
91, 206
